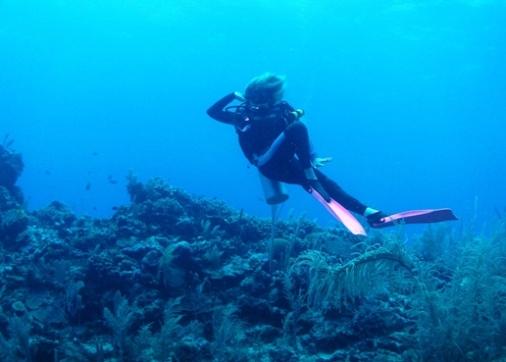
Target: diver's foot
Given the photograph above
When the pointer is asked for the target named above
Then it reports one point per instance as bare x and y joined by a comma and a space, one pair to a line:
317, 186
375, 218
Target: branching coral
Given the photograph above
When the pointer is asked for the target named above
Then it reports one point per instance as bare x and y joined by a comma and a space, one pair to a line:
464, 319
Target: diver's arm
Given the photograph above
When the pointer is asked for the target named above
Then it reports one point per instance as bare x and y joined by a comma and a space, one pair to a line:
320, 161
292, 114
218, 112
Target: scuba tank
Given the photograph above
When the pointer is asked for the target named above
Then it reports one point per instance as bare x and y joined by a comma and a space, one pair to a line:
274, 191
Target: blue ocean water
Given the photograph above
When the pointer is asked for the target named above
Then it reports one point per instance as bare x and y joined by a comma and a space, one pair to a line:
406, 96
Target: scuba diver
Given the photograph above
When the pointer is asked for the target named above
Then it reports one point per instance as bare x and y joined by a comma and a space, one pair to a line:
275, 140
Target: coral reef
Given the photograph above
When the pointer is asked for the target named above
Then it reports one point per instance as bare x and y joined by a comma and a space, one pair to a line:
174, 277
11, 167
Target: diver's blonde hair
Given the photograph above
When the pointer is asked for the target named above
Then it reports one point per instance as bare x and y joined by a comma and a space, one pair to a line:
267, 88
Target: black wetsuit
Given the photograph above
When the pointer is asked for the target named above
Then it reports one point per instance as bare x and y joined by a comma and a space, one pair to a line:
257, 129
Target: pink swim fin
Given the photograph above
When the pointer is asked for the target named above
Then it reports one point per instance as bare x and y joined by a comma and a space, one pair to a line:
340, 213
416, 217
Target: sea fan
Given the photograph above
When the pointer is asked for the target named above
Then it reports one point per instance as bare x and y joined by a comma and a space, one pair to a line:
119, 321
331, 285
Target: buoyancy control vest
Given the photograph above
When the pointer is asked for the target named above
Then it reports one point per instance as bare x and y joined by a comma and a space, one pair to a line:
258, 127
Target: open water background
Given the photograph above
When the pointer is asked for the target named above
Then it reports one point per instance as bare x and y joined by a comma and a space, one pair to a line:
407, 96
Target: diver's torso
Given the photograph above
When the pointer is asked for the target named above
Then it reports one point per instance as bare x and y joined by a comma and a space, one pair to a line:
260, 129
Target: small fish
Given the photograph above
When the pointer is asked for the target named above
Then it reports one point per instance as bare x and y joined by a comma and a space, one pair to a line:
88, 186
112, 180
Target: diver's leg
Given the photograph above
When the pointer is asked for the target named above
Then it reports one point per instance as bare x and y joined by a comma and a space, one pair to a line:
292, 171
298, 137
285, 167
289, 160
294, 140
338, 194
348, 201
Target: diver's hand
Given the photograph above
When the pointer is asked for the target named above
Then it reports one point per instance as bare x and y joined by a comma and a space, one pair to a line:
321, 161
239, 96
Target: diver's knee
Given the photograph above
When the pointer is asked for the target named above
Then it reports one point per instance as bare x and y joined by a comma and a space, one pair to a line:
296, 127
